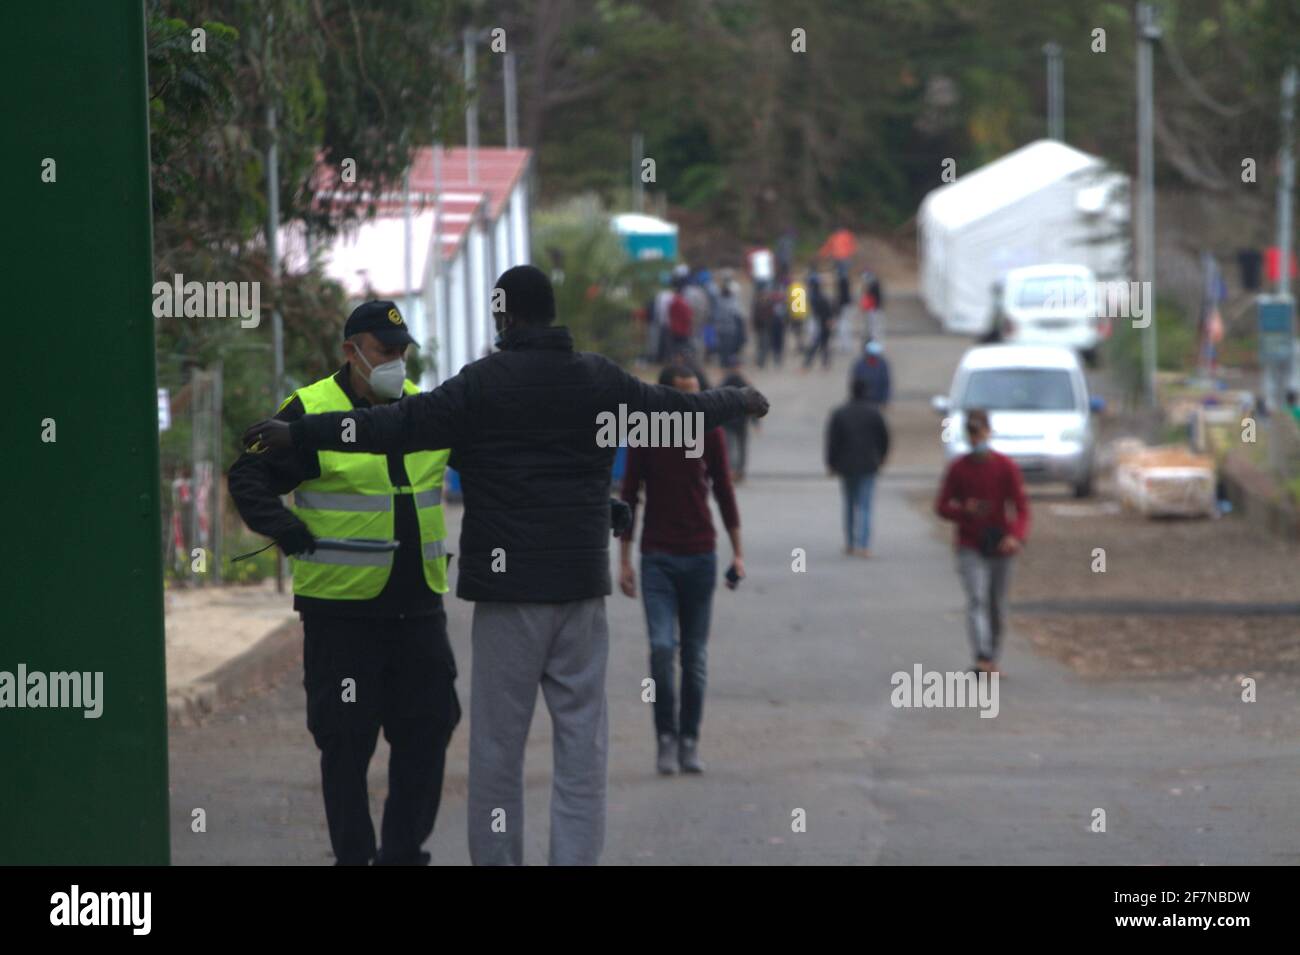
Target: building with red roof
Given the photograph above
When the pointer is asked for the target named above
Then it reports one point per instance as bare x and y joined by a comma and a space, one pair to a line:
472, 207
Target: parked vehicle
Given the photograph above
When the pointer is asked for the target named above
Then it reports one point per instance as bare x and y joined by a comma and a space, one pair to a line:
1039, 410
1052, 305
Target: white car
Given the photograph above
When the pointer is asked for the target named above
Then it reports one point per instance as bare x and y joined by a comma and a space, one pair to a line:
1039, 410
1052, 305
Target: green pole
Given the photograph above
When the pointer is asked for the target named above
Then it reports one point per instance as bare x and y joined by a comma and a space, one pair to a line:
83, 575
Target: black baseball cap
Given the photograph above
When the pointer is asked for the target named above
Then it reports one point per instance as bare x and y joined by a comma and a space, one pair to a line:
381, 319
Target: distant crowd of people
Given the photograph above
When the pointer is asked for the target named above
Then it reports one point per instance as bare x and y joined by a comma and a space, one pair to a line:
694, 313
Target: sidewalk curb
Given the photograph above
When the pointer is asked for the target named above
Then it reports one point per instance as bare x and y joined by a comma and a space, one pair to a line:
255, 667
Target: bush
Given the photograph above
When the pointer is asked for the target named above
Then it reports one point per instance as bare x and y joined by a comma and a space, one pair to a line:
253, 569
1176, 344
597, 287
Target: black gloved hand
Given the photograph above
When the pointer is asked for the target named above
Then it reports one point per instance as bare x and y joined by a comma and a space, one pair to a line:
296, 540
269, 435
620, 516
755, 404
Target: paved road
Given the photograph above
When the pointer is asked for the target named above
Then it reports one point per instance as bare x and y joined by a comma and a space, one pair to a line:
798, 714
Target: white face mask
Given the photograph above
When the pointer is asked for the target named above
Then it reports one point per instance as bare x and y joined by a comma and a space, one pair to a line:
386, 380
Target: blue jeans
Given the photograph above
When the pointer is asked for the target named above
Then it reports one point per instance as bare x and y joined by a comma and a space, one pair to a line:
857, 495
678, 588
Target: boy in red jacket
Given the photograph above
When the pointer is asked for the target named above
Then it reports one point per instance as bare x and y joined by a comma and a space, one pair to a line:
976, 491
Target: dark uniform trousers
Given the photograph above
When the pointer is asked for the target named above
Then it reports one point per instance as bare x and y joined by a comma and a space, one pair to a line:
403, 672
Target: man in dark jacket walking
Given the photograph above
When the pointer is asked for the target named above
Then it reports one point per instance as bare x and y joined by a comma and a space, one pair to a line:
525, 429
823, 316
873, 368
857, 442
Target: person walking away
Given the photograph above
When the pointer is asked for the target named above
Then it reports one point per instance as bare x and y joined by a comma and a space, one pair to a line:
857, 443
844, 311
737, 436
730, 327
701, 302
681, 320
760, 321
679, 572
977, 490
659, 334
823, 316
376, 619
798, 308
780, 322
530, 433
872, 305
873, 368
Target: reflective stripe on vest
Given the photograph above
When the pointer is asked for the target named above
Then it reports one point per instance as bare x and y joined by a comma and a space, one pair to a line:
347, 558
325, 501
353, 499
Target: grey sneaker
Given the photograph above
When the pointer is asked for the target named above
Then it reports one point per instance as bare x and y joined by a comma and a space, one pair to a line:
665, 763
688, 755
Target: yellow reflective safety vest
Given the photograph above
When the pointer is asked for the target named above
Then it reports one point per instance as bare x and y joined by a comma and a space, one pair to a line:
355, 498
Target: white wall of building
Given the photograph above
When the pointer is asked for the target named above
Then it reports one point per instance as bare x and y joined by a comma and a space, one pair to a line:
479, 318
519, 223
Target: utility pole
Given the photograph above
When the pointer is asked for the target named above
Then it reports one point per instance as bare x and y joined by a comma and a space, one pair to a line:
512, 114
1277, 335
1285, 182
1055, 92
638, 186
1145, 233
438, 321
407, 230
273, 250
470, 39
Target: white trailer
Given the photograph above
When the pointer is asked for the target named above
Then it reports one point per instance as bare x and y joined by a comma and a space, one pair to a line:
1045, 202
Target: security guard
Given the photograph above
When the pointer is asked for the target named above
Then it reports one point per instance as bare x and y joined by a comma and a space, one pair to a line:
375, 648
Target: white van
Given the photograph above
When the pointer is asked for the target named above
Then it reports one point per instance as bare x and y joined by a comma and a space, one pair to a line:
1052, 305
1039, 410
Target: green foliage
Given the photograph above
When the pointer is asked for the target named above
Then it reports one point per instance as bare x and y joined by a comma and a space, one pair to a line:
758, 137
251, 570
597, 288
1176, 344
348, 80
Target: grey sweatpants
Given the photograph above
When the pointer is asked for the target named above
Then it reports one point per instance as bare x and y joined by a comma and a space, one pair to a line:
985, 581
517, 646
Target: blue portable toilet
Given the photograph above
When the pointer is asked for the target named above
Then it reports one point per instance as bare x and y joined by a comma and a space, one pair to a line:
646, 237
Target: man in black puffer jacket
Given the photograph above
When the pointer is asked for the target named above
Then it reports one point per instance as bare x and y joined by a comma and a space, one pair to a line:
524, 426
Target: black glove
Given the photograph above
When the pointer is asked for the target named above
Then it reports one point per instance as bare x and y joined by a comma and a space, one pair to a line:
296, 540
269, 435
620, 516
755, 404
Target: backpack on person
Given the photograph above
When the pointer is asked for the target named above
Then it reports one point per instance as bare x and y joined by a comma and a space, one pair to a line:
679, 317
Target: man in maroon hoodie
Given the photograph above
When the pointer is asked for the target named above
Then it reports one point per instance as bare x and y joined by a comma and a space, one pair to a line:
679, 571
976, 491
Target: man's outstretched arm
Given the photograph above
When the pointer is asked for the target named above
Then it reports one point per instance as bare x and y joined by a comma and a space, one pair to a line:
425, 422
718, 405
